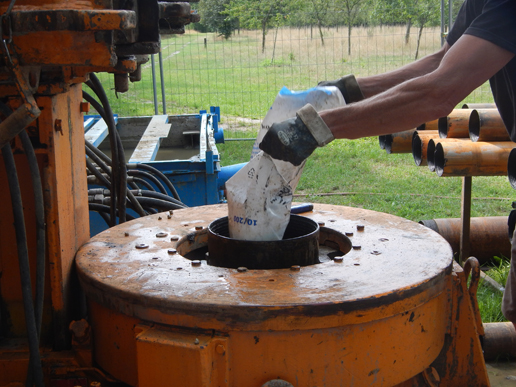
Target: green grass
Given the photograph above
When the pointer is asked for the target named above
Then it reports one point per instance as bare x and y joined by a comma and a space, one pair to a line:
489, 300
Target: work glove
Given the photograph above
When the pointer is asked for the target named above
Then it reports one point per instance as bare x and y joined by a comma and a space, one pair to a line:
295, 139
348, 86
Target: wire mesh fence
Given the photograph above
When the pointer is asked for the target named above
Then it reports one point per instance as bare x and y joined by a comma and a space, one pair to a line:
243, 74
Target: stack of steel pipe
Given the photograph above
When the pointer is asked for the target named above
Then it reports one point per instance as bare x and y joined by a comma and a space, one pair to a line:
400, 142
468, 142
481, 150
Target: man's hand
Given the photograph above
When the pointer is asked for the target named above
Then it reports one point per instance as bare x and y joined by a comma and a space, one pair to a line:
295, 139
348, 87
289, 140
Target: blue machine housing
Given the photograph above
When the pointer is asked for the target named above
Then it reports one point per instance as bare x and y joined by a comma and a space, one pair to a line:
182, 147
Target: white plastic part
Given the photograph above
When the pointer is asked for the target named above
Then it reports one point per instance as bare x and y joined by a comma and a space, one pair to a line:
260, 194
259, 201
285, 106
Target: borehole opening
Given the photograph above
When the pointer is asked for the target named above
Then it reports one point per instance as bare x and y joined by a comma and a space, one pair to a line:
328, 242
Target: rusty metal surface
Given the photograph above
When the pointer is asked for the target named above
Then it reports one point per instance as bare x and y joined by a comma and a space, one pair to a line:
430, 125
455, 125
72, 20
131, 269
400, 142
499, 340
469, 158
430, 151
420, 141
489, 235
487, 125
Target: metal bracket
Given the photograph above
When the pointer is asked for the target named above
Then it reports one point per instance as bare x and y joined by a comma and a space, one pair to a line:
28, 110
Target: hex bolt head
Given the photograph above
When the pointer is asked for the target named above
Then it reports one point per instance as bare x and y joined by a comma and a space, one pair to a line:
161, 235
360, 227
338, 259
196, 263
174, 238
169, 216
172, 251
242, 269
321, 224
198, 228
159, 218
220, 349
126, 234
141, 246
349, 234
357, 247
171, 212
295, 268
196, 341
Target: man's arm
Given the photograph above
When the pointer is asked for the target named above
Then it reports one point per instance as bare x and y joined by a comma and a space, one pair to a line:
377, 84
465, 66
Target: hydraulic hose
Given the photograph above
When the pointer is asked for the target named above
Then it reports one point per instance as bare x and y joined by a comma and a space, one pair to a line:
100, 177
99, 153
97, 160
148, 176
39, 211
122, 173
157, 195
23, 262
151, 203
114, 153
161, 205
143, 183
105, 209
96, 86
163, 178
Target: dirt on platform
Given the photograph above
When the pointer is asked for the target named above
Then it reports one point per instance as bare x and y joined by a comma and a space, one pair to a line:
502, 373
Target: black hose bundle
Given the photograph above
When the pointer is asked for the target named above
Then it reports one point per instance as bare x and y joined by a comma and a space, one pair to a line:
124, 181
35, 372
33, 311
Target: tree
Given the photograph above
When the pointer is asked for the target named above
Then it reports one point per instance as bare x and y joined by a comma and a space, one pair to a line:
349, 9
318, 11
263, 14
425, 12
215, 16
418, 12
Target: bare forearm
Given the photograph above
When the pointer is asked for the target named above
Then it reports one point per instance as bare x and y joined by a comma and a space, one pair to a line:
400, 108
377, 84
464, 67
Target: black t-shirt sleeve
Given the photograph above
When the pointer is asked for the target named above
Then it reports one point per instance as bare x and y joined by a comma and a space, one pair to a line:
492, 20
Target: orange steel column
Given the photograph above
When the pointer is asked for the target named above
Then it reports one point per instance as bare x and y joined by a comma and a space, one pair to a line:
60, 154
66, 200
